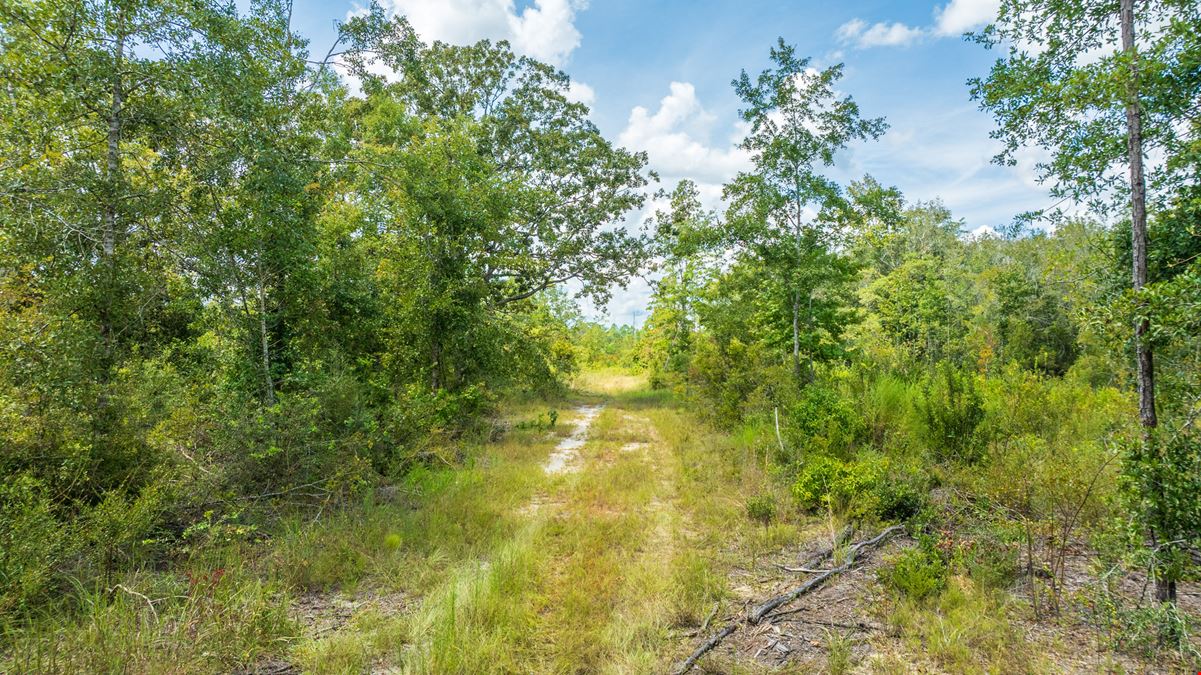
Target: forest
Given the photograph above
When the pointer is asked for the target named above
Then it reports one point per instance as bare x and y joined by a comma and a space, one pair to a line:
295, 375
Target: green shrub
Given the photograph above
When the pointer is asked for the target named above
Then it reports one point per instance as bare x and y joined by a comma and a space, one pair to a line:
868, 488
761, 508
31, 540
952, 409
1142, 630
916, 573
821, 420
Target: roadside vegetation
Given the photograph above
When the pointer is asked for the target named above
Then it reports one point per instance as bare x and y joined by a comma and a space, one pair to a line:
286, 344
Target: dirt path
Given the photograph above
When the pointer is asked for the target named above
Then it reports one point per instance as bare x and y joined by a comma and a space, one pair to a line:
586, 579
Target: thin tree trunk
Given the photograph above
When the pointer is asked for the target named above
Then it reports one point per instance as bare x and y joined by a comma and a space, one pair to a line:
265, 343
108, 230
1165, 589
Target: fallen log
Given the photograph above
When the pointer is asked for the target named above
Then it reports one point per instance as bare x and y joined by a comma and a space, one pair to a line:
766, 608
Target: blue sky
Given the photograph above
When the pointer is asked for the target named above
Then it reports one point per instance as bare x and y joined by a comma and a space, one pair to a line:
657, 76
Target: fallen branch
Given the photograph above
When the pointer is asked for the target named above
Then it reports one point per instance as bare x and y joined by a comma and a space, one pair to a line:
766, 608
707, 647
843, 537
769, 606
799, 570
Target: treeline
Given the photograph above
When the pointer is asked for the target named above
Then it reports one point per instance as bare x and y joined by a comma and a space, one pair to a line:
235, 273
892, 366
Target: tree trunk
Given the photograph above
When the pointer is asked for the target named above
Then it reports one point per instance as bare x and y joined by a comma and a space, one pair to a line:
265, 344
1165, 589
796, 334
112, 170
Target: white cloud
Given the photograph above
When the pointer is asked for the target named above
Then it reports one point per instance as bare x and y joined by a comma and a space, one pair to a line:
961, 16
982, 232
952, 20
544, 30
676, 139
856, 32
579, 92
947, 155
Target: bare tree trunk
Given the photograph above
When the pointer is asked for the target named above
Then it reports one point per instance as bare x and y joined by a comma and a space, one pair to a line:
108, 230
1165, 589
265, 343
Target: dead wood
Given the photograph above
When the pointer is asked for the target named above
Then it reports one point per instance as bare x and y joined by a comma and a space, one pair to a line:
768, 607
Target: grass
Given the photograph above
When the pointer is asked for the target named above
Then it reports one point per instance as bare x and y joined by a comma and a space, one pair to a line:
495, 566
965, 628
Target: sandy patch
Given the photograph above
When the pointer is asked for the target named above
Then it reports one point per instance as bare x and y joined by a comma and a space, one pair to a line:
563, 458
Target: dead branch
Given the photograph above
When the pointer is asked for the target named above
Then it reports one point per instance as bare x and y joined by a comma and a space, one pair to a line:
707, 647
768, 607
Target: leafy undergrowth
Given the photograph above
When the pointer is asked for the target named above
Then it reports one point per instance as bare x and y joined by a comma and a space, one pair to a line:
661, 531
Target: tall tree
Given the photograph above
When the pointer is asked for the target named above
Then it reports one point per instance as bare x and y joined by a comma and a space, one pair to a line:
493, 175
784, 211
1095, 84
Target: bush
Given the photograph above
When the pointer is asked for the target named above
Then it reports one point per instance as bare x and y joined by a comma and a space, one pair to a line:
821, 420
31, 539
916, 573
761, 508
952, 410
868, 488
1141, 630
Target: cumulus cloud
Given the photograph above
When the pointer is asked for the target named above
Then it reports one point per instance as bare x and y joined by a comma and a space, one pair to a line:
676, 139
953, 19
544, 30
961, 16
579, 92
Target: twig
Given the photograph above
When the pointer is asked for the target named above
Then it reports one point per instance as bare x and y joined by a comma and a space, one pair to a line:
707, 621
818, 622
805, 570
706, 648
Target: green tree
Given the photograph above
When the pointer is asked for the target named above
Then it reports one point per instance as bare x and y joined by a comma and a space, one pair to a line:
1065, 85
480, 168
784, 213
685, 236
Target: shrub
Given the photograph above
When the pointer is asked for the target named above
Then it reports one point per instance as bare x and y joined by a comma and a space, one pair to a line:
31, 539
761, 508
821, 420
868, 488
1141, 630
952, 410
916, 573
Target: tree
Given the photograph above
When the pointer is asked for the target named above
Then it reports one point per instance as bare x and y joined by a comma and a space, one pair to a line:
475, 161
1096, 85
784, 212
685, 236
